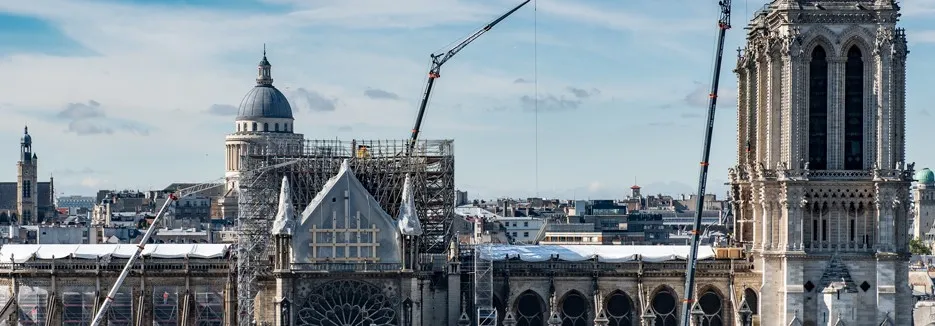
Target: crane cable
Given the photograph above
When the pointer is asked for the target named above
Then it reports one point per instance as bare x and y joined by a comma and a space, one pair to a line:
535, 73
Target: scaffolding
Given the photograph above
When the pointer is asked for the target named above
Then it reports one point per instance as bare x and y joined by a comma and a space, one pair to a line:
380, 165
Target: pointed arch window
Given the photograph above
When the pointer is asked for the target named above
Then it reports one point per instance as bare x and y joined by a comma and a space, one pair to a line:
574, 310
854, 110
818, 110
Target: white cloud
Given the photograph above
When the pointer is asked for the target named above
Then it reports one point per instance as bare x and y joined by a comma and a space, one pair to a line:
918, 7
92, 182
922, 36
170, 68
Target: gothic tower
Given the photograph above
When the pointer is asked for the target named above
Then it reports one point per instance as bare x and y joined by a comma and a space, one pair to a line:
27, 181
821, 189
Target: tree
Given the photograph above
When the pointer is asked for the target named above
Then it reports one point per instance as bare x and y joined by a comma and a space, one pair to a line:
917, 247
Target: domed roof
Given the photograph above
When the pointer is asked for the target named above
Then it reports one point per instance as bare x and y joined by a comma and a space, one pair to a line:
264, 101
925, 176
27, 139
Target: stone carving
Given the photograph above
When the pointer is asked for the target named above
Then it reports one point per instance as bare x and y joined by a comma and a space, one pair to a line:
792, 42
884, 40
347, 302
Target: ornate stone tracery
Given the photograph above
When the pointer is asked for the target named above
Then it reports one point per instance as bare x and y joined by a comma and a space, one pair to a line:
349, 302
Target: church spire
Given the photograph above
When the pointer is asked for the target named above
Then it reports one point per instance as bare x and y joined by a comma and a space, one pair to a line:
264, 77
26, 146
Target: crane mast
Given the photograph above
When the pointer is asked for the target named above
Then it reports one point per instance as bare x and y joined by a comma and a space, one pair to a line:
687, 307
99, 317
439, 59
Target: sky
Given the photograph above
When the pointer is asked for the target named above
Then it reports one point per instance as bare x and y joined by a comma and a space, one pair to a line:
140, 94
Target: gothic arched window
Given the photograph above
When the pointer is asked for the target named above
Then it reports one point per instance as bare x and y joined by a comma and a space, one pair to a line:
854, 110
711, 305
254, 126
664, 305
619, 309
752, 300
529, 309
818, 110
574, 310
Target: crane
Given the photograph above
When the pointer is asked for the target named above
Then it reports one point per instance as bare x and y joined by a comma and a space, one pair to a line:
439, 59
723, 25
99, 317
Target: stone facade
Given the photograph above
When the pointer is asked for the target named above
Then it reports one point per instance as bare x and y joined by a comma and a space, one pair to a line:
821, 189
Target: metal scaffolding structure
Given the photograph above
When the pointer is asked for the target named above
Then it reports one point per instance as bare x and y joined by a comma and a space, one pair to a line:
380, 165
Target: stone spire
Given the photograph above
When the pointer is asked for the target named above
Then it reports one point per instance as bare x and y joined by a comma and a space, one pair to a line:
554, 318
264, 75
509, 320
284, 224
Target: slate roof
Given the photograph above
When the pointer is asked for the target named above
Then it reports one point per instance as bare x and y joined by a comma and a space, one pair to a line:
8, 195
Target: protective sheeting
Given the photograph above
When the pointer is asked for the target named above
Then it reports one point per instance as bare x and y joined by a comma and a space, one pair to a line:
285, 217
19, 253
603, 253
408, 219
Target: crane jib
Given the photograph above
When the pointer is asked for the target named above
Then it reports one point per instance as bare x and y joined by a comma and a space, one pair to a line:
689, 305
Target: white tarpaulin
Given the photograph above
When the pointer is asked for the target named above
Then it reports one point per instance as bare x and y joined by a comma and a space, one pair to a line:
603, 253
408, 219
19, 253
285, 216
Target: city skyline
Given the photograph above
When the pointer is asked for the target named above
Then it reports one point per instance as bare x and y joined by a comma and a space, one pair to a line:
121, 95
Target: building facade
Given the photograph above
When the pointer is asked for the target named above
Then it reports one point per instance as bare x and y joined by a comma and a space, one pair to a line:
821, 186
923, 204
27, 200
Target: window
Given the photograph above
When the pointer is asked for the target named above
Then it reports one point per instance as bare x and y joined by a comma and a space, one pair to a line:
824, 230
818, 110
814, 230
526, 224
27, 189
277, 126
351, 240
852, 230
254, 126
854, 110
265, 126
526, 234
238, 127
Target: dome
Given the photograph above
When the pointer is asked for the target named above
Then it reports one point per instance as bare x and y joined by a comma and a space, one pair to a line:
925, 176
264, 101
26, 139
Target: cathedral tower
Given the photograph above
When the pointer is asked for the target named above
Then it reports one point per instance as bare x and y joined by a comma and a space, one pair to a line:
27, 181
821, 188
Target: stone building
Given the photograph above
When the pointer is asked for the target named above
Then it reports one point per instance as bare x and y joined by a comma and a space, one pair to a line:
923, 205
27, 200
821, 188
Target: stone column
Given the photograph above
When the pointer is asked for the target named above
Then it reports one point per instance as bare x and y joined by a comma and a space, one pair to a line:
835, 113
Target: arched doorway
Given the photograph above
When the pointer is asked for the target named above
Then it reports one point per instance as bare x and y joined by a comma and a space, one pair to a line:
574, 308
664, 306
619, 309
529, 309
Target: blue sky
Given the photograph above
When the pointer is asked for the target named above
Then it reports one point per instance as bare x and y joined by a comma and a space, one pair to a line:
119, 94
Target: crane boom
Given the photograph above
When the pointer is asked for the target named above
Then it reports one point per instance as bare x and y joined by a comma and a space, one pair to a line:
723, 25
99, 317
439, 59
